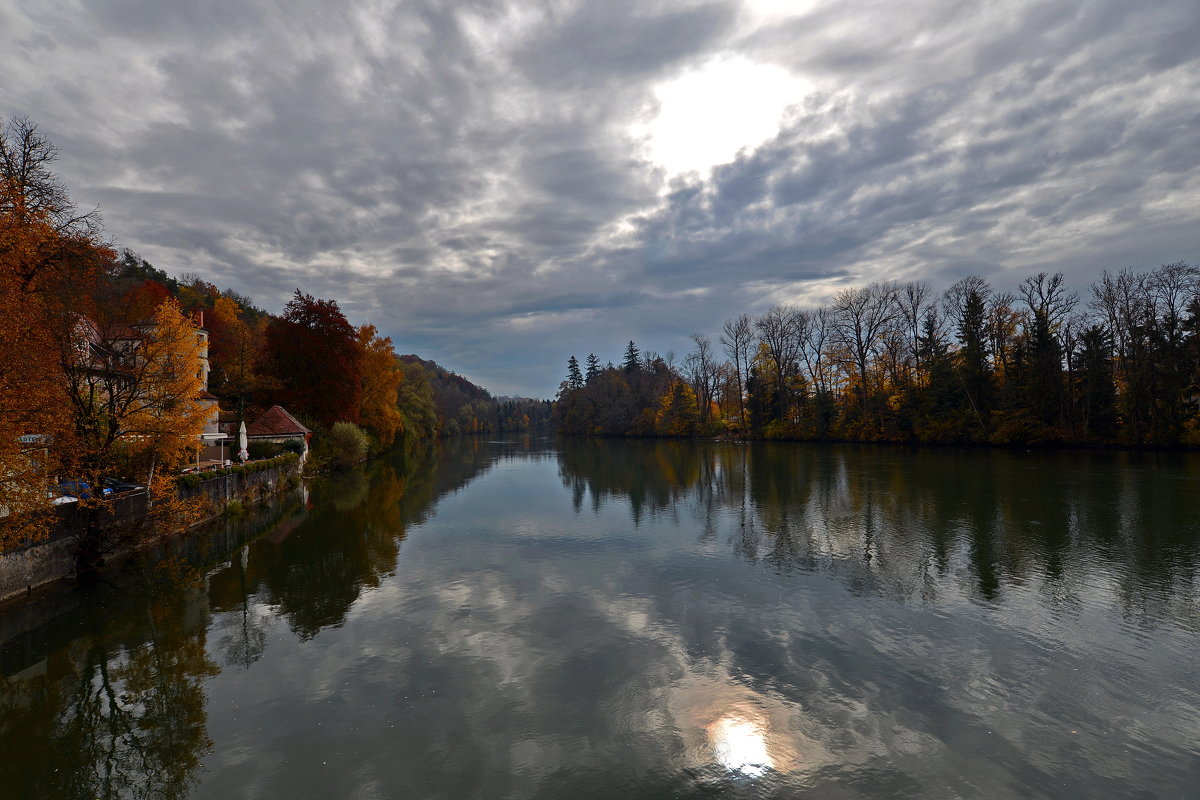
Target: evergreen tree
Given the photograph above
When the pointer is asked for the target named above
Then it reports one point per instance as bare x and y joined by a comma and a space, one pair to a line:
574, 377
974, 372
1045, 394
632, 363
593, 368
1096, 391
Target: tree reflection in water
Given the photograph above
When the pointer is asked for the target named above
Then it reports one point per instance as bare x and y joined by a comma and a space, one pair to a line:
119, 710
114, 720
559, 645
897, 521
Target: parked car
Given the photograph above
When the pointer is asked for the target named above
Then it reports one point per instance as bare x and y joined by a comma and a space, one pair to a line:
79, 490
121, 487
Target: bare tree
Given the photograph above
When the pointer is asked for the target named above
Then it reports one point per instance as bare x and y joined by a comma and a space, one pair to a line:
1046, 297
912, 299
1003, 322
703, 373
814, 349
737, 336
32, 196
1171, 288
1114, 298
779, 329
860, 318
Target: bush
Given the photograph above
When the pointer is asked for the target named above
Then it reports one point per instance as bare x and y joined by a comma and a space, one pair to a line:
344, 444
261, 450
294, 446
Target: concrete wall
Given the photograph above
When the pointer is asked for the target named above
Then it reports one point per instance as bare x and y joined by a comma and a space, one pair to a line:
244, 487
38, 565
53, 559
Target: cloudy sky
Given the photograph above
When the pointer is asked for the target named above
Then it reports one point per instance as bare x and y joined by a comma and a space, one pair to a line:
498, 185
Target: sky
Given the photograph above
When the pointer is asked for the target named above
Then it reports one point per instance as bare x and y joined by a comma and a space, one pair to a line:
500, 185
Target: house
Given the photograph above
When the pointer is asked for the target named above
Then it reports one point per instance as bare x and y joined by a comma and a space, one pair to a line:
109, 361
213, 441
277, 425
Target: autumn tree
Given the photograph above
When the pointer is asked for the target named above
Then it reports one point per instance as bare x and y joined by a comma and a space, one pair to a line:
889, 362
46, 246
135, 411
313, 353
234, 350
381, 379
677, 413
418, 411
30, 399
39, 224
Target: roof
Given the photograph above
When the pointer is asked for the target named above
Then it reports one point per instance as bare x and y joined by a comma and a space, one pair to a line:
207, 395
276, 422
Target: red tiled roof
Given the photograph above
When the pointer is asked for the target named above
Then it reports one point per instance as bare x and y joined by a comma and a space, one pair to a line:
205, 395
276, 422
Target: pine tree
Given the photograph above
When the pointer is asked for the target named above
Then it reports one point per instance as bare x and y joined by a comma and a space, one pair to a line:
574, 377
632, 362
593, 367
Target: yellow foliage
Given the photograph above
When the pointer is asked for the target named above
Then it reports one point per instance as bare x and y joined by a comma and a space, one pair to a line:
381, 380
164, 415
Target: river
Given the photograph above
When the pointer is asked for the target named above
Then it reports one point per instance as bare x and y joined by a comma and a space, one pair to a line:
534, 618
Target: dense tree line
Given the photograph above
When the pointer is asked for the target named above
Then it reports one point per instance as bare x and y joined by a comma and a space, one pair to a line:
901, 363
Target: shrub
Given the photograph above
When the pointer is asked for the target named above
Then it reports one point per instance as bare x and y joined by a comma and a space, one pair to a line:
261, 450
344, 444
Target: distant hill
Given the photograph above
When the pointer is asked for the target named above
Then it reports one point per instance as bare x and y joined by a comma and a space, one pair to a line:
451, 392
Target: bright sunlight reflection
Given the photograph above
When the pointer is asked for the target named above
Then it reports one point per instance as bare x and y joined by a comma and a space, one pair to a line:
739, 745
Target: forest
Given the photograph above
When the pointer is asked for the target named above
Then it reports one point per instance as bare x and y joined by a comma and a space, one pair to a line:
900, 362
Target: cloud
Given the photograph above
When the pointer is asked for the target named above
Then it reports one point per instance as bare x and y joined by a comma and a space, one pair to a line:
476, 179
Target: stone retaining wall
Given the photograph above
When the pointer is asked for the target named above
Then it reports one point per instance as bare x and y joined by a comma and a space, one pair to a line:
53, 558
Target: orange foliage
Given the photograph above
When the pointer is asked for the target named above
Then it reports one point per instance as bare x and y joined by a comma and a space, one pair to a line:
233, 350
381, 380
141, 301
44, 247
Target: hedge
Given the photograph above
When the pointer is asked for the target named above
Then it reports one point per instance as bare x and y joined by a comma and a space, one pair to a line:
194, 479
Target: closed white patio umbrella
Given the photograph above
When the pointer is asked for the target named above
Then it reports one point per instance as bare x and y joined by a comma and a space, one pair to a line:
243, 453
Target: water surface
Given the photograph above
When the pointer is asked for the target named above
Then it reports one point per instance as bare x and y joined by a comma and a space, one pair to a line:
541, 619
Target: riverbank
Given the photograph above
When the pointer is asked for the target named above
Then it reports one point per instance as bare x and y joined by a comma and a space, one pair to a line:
52, 560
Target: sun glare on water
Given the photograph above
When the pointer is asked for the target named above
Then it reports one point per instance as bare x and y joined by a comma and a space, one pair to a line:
739, 745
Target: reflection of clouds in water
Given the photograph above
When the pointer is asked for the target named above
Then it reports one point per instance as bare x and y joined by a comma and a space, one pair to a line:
515, 654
